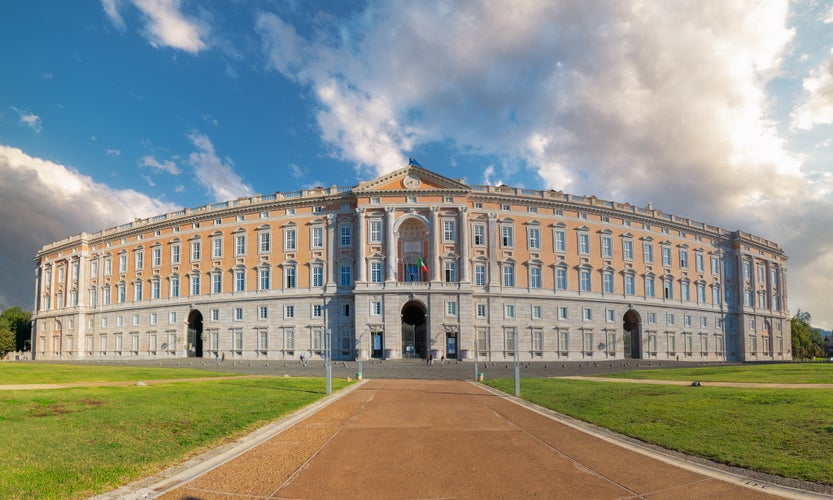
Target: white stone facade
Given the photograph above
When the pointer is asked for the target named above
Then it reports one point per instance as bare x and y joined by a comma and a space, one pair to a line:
409, 264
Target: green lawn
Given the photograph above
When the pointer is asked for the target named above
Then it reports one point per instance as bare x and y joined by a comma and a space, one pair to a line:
781, 431
55, 373
783, 373
73, 443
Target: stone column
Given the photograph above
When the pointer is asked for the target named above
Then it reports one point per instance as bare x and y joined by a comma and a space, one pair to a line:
436, 234
464, 245
494, 270
329, 274
361, 273
390, 246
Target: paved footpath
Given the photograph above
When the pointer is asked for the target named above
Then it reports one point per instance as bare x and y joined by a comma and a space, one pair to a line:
421, 439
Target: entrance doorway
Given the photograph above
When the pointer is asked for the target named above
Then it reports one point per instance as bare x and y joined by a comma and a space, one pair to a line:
194, 334
451, 345
414, 330
632, 324
378, 339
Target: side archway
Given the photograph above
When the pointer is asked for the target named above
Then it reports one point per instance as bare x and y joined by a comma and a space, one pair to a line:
194, 342
414, 330
632, 326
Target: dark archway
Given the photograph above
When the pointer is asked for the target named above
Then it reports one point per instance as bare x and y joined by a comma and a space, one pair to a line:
194, 343
414, 330
632, 324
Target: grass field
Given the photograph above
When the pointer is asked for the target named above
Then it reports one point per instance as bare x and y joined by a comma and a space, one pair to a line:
73, 443
49, 373
787, 432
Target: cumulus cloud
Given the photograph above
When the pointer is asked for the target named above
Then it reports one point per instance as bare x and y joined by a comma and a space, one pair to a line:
816, 107
57, 202
30, 120
215, 173
640, 102
168, 166
165, 25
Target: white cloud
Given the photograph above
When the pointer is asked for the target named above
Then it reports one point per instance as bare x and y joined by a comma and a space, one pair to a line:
165, 24
165, 166
215, 173
816, 107
652, 101
113, 152
57, 202
111, 8
295, 171
30, 120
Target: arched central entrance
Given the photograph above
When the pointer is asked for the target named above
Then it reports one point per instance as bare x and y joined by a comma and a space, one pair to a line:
414, 330
194, 334
632, 324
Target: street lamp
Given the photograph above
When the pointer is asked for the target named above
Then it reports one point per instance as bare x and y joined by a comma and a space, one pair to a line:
328, 354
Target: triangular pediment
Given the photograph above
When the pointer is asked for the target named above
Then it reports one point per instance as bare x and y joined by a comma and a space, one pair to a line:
411, 179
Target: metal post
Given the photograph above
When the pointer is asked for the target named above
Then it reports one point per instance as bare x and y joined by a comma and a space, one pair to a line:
327, 361
517, 367
476, 373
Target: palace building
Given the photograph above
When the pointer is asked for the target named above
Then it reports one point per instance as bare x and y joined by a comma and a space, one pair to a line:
408, 264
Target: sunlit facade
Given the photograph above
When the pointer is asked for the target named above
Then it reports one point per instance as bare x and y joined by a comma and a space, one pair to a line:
408, 264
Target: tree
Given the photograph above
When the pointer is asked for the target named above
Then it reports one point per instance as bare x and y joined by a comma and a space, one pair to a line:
19, 322
6, 337
807, 342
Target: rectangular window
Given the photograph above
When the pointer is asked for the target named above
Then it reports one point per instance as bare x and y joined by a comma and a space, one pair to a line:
534, 277
289, 274
648, 252
450, 272
195, 285
263, 279
376, 275
196, 251
479, 232
138, 292
607, 282
507, 238
586, 314
562, 313
215, 315
585, 280
666, 256
317, 311
584, 243
376, 308
317, 276
122, 264
175, 257
509, 311
561, 278
239, 244
217, 283
683, 258
263, 312
108, 268
652, 318
537, 312
238, 314
346, 274
449, 235
345, 310
627, 249
264, 241
152, 319
607, 247
479, 275
630, 289
290, 240
481, 310
139, 263
560, 241
699, 263
156, 256
715, 265
649, 286
288, 312
239, 280
217, 248
345, 235
174, 286
508, 275
172, 317
317, 240
534, 238
669, 319
687, 320
375, 231
610, 315
451, 308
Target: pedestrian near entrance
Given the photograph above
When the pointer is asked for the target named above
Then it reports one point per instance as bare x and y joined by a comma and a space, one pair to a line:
430, 360
304, 358
222, 357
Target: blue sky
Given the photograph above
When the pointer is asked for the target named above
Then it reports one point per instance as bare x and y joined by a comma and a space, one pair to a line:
720, 111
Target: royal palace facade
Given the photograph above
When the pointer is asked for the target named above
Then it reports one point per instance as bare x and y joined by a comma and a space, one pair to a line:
410, 264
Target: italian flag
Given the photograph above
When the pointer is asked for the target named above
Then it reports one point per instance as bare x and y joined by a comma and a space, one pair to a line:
422, 265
